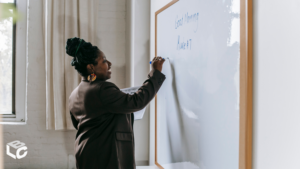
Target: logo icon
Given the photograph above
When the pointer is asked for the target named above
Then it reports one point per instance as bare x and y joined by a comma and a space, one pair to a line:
19, 146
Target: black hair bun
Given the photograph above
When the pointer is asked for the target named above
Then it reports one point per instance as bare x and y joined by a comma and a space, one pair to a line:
72, 45
83, 53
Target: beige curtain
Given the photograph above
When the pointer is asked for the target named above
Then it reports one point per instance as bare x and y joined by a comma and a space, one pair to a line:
64, 19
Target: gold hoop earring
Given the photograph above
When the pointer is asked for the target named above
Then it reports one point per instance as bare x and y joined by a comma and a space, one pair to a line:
92, 77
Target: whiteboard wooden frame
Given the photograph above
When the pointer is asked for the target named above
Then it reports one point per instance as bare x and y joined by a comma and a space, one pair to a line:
246, 83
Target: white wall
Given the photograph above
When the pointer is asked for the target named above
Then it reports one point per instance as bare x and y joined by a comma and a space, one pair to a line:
141, 41
46, 148
276, 135
137, 67
140, 71
111, 35
129, 41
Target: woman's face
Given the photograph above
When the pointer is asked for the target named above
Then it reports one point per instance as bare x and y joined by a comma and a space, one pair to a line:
103, 68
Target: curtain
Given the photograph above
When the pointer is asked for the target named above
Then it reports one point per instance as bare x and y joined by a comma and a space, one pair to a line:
64, 19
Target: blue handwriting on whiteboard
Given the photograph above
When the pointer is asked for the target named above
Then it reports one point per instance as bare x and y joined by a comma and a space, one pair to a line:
178, 22
192, 18
184, 44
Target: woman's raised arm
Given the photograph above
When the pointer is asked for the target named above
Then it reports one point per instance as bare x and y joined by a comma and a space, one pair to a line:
116, 101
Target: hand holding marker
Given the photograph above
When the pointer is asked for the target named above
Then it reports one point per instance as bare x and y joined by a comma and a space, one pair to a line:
162, 58
157, 63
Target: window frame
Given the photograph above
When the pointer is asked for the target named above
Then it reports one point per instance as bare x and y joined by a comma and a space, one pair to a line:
20, 58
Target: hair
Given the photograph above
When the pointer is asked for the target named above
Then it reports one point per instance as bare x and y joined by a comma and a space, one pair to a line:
83, 53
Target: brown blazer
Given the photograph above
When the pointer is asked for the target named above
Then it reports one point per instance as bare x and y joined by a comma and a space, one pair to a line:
103, 116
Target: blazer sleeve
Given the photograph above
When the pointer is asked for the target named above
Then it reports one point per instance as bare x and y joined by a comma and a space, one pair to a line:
115, 101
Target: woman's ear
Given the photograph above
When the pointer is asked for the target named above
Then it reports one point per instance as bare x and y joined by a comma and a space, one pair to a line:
90, 68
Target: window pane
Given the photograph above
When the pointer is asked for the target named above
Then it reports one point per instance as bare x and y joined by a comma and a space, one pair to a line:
6, 66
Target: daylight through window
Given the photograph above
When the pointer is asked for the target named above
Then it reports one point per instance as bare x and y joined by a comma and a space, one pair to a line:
7, 57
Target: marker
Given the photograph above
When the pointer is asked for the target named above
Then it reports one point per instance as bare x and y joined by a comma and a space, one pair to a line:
163, 58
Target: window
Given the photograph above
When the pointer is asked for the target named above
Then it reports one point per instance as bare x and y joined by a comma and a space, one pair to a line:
13, 55
7, 66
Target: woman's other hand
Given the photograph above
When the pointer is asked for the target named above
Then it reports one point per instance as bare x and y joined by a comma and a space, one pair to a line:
157, 63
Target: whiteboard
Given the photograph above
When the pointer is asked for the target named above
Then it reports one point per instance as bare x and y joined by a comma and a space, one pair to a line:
198, 104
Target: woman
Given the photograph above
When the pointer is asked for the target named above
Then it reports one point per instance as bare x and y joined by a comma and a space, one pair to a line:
102, 114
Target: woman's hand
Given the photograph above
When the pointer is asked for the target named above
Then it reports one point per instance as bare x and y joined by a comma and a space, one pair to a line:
157, 63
